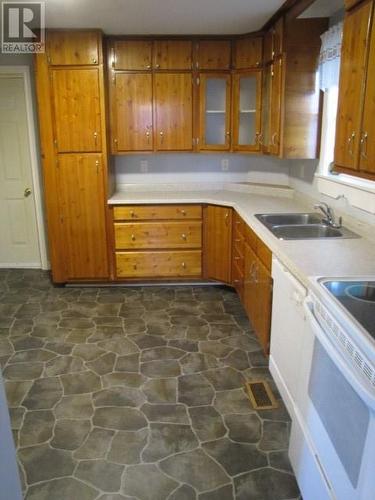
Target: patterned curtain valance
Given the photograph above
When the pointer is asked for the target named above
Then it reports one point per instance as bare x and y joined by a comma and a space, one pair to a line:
330, 53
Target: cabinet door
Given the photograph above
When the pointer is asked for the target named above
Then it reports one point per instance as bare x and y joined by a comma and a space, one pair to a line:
218, 243
352, 75
266, 108
132, 55
214, 104
268, 46
173, 54
277, 38
132, 110
69, 48
249, 285
213, 54
248, 53
82, 210
367, 142
246, 111
263, 305
276, 103
76, 106
174, 111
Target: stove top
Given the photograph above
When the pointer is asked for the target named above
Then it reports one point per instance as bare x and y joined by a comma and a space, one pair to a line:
358, 298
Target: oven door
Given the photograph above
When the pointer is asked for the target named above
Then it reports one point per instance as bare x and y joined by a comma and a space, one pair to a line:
337, 414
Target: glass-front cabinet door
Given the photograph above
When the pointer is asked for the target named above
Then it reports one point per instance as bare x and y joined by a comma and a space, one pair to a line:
214, 116
247, 88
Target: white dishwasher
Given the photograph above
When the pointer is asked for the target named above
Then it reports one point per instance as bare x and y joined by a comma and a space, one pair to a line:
287, 332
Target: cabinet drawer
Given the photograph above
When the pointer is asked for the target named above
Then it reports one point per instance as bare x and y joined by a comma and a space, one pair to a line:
239, 243
238, 258
70, 47
157, 212
239, 225
159, 264
264, 254
158, 235
251, 238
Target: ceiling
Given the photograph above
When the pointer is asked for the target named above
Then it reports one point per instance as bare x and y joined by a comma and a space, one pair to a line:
146, 17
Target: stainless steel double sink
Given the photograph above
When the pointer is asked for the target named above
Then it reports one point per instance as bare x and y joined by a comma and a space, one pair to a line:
303, 226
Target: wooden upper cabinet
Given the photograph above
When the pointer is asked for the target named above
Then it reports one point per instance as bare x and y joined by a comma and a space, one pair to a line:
351, 3
132, 112
247, 99
80, 185
69, 48
276, 103
173, 94
351, 87
173, 54
218, 243
273, 41
132, 55
213, 54
76, 109
248, 52
214, 115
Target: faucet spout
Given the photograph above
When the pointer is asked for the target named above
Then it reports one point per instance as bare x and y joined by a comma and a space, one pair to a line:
328, 212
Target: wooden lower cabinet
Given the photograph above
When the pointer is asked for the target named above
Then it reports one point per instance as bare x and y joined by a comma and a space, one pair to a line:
159, 264
82, 215
218, 243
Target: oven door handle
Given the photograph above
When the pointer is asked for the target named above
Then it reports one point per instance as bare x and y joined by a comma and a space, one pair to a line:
344, 365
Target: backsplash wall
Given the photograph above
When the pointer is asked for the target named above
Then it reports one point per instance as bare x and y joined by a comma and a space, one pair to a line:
193, 168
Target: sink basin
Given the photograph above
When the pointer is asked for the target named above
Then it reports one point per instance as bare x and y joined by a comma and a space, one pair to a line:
302, 226
283, 219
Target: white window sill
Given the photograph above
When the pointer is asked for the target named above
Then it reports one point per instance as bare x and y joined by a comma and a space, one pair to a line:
359, 192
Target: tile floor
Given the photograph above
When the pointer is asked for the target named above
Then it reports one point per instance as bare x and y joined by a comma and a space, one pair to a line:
137, 393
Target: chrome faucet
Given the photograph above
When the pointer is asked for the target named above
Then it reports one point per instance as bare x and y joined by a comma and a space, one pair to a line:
330, 218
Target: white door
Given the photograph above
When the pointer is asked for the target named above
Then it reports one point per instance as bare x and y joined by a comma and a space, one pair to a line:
19, 246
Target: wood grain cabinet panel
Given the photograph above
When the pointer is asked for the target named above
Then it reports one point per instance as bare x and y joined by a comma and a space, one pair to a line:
70, 48
132, 112
77, 111
82, 215
213, 55
132, 55
218, 243
248, 52
351, 87
173, 54
276, 103
261, 319
157, 212
173, 111
158, 235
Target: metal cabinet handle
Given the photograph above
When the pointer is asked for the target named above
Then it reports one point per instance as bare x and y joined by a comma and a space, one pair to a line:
183, 236
161, 137
132, 213
96, 137
148, 66
27, 192
237, 257
157, 66
133, 237
183, 212
94, 61
273, 139
351, 143
183, 265
364, 145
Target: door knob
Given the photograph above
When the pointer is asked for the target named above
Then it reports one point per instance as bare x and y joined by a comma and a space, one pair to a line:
27, 192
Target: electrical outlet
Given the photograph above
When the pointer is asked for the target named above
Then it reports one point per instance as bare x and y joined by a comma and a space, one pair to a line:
224, 165
144, 166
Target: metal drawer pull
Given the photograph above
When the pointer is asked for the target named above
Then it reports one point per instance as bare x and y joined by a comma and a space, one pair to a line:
236, 281
183, 265
183, 236
238, 240
237, 257
132, 214
183, 212
133, 237
350, 143
364, 145
273, 140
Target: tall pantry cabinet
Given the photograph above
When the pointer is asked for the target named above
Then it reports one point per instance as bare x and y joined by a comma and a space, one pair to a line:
71, 103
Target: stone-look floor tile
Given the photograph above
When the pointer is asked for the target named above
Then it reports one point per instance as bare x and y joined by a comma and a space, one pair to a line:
101, 474
80, 383
148, 341
161, 353
119, 418
163, 390
168, 413
129, 363
265, 484
195, 468
43, 394
215, 348
102, 365
80, 323
88, 352
16, 417
161, 369
62, 365
207, 423
194, 333
237, 359
42, 463
16, 391
184, 492
188, 320
121, 347
257, 359
194, 390
37, 427
49, 332
78, 406
225, 378
280, 460
62, 489
6, 348
168, 439
59, 347
70, 434
245, 342
96, 445
275, 436
147, 482
23, 371
223, 493
236, 458
234, 401
123, 379
27, 342
106, 333
184, 344
195, 362
115, 496
126, 447
244, 428
119, 396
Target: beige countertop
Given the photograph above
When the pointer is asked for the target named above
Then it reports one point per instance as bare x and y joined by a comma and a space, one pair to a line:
305, 259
